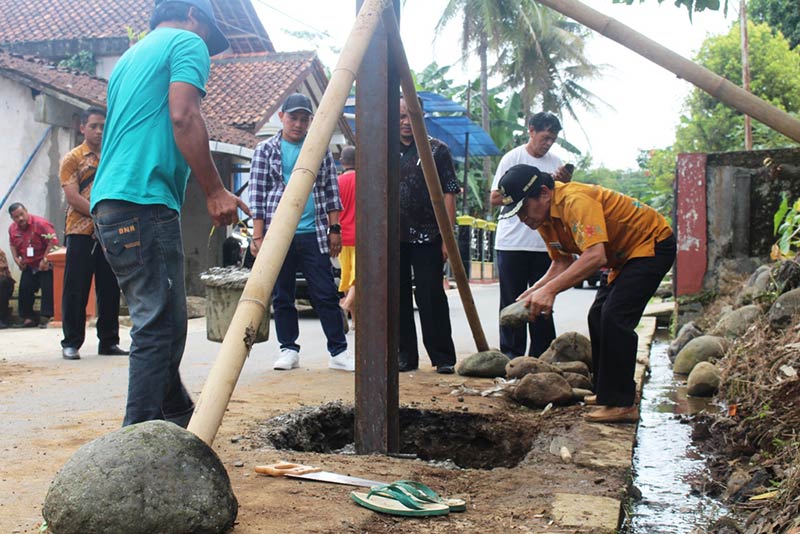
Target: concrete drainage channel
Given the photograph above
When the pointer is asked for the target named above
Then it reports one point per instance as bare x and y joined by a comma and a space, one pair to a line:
470, 441
665, 461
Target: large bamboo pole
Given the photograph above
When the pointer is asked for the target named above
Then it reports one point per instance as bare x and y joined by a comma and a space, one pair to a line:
715, 85
432, 176
252, 306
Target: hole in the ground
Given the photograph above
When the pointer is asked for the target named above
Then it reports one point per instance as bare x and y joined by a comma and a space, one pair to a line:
469, 440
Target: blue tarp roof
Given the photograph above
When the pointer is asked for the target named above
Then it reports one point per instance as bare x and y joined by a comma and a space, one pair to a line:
451, 129
432, 102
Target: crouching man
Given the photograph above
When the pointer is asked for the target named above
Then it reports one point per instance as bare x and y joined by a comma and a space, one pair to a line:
604, 228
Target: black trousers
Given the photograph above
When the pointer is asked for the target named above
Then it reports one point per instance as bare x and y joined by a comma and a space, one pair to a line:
6, 290
85, 259
518, 270
29, 283
614, 315
434, 313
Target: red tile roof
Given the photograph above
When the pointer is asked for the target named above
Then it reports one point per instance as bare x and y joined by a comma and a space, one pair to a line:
63, 20
45, 20
246, 90
45, 77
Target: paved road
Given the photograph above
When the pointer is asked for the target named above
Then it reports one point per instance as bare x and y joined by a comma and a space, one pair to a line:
99, 382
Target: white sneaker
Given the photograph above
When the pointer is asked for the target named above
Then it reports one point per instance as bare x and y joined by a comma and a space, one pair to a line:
343, 361
288, 360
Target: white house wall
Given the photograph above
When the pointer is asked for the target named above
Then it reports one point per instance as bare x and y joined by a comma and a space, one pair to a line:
39, 189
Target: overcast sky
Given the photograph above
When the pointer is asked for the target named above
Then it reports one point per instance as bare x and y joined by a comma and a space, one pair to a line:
645, 98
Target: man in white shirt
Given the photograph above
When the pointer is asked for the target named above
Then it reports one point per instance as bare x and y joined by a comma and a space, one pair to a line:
521, 254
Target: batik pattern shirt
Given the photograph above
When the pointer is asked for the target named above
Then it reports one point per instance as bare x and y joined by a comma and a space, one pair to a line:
583, 215
417, 218
79, 167
267, 187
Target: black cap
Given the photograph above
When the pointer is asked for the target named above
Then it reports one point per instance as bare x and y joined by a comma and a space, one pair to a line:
515, 185
295, 102
216, 41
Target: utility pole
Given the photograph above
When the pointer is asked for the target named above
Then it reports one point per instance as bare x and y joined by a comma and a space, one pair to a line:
466, 157
748, 130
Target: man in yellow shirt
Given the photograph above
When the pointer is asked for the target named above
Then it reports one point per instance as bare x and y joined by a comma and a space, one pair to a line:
604, 228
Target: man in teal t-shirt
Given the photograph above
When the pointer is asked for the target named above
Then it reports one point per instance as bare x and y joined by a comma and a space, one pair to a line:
154, 136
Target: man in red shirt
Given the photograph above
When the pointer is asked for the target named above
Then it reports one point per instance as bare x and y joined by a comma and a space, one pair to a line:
31, 238
347, 258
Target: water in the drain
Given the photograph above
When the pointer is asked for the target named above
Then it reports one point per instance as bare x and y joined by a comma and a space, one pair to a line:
665, 459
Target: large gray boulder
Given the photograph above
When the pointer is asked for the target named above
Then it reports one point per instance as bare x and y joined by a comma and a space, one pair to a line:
703, 380
569, 347
525, 365
736, 322
514, 315
700, 349
688, 332
784, 309
149, 478
541, 389
486, 364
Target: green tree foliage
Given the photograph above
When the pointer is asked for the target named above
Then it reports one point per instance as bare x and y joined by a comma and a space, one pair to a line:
83, 61
691, 5
783, 15
709, 125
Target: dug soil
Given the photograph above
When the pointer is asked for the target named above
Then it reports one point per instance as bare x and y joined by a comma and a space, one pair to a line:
517, 496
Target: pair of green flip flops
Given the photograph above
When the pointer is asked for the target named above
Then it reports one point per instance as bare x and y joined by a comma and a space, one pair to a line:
407, 498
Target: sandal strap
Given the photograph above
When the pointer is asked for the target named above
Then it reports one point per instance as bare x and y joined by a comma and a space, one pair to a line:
396, 494
419, 491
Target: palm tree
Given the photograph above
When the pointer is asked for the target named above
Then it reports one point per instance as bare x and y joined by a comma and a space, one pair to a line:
537, 50
552, 66
484, 24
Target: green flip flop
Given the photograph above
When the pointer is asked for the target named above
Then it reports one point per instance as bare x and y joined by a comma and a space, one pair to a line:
422, 493
394, 501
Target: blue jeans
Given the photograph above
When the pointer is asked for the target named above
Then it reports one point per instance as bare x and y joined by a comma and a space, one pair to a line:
143, 246
304, 255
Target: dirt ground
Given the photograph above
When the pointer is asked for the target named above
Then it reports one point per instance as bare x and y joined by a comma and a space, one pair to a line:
515, 499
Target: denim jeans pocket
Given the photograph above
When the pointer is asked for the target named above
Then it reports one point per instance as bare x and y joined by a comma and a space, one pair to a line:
122, 243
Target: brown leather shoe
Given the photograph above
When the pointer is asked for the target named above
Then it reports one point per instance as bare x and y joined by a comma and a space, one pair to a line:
614, 414
590, 400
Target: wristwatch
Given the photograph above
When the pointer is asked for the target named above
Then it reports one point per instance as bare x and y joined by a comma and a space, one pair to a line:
335, 229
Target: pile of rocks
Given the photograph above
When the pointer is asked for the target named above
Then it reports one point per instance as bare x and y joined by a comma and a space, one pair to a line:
562, 375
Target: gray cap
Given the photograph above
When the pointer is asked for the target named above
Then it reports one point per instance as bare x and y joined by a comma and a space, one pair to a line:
216, 41
296, 102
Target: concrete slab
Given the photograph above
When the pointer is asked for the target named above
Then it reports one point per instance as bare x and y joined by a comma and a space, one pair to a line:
587, 512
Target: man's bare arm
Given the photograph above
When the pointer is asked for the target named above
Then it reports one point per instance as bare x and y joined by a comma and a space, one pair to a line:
191, 137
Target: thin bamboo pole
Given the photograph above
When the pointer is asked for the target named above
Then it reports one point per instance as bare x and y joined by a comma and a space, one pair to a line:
715, 85
252, 306
432, 177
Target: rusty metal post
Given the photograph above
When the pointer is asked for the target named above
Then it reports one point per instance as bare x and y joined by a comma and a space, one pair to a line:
377, 423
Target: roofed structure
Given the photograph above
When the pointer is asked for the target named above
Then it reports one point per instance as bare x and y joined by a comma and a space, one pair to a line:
56, 29
245, 90
83, 90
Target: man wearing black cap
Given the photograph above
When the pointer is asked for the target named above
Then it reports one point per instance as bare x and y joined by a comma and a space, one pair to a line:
316, 240
605, 228
154, 137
